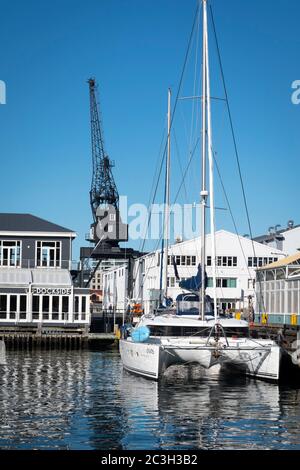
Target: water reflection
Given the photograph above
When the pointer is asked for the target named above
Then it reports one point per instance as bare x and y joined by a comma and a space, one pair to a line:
39, 393
195, 409
83, 400
2, 352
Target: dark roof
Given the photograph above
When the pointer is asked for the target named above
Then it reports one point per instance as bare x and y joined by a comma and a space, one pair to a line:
268, 238
28, 223
278, 235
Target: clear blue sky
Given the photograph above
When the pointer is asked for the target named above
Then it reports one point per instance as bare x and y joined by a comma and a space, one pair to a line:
135, 49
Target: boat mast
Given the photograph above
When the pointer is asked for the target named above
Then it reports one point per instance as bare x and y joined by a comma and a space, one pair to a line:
163, 283
204, 192
167, 201
210, 164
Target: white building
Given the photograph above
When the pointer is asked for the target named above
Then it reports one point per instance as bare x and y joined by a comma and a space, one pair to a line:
287, 240
97, 280
115, 288
237, 259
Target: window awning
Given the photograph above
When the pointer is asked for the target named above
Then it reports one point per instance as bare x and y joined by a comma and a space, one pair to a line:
47, 277
15, 277
38, 277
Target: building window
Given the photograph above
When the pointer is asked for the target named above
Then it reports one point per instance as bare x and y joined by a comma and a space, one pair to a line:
254, 261
231, 282
35, 307
76, 308
83, 304
55, 304
193, 260
10, 253
45, 306
65, 304
55, 307
223, 282
12, 307
3, 306
226, 306
23, 307
225, 261
48, 254
171, 282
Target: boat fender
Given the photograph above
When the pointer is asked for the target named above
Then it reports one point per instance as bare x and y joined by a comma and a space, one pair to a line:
140, 334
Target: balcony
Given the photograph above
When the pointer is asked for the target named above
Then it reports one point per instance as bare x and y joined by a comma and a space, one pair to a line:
70, 265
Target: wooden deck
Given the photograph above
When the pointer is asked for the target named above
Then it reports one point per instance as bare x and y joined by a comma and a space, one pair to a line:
54, 338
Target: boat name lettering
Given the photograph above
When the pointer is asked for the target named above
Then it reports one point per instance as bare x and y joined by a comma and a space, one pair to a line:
150, 351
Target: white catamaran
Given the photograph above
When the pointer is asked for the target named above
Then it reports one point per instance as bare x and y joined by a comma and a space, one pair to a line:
166, 338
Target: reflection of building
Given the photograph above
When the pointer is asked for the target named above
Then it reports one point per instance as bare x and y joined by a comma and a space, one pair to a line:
236, 263
278, 288
35, 273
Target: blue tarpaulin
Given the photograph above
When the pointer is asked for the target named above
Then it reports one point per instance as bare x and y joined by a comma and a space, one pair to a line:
193, 283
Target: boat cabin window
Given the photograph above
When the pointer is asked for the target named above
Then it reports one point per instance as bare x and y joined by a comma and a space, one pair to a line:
167, 330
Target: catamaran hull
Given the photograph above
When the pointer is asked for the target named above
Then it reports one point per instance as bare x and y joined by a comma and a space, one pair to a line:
263, 363
148, 360
151, 359
260, 364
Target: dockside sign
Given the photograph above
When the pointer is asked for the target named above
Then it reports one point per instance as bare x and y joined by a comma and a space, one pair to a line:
52, 291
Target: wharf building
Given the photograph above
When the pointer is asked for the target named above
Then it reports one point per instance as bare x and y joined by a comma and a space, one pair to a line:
36, 282
237, 260
278, 291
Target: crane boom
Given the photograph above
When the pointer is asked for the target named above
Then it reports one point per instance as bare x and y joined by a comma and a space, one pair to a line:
103, 188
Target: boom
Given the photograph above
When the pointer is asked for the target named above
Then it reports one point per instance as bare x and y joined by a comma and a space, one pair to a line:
103, 188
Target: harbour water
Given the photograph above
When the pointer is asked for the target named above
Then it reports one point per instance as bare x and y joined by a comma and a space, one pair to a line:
83, 400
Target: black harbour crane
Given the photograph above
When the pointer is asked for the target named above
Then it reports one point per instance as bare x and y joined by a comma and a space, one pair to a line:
107, 227
103, 188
